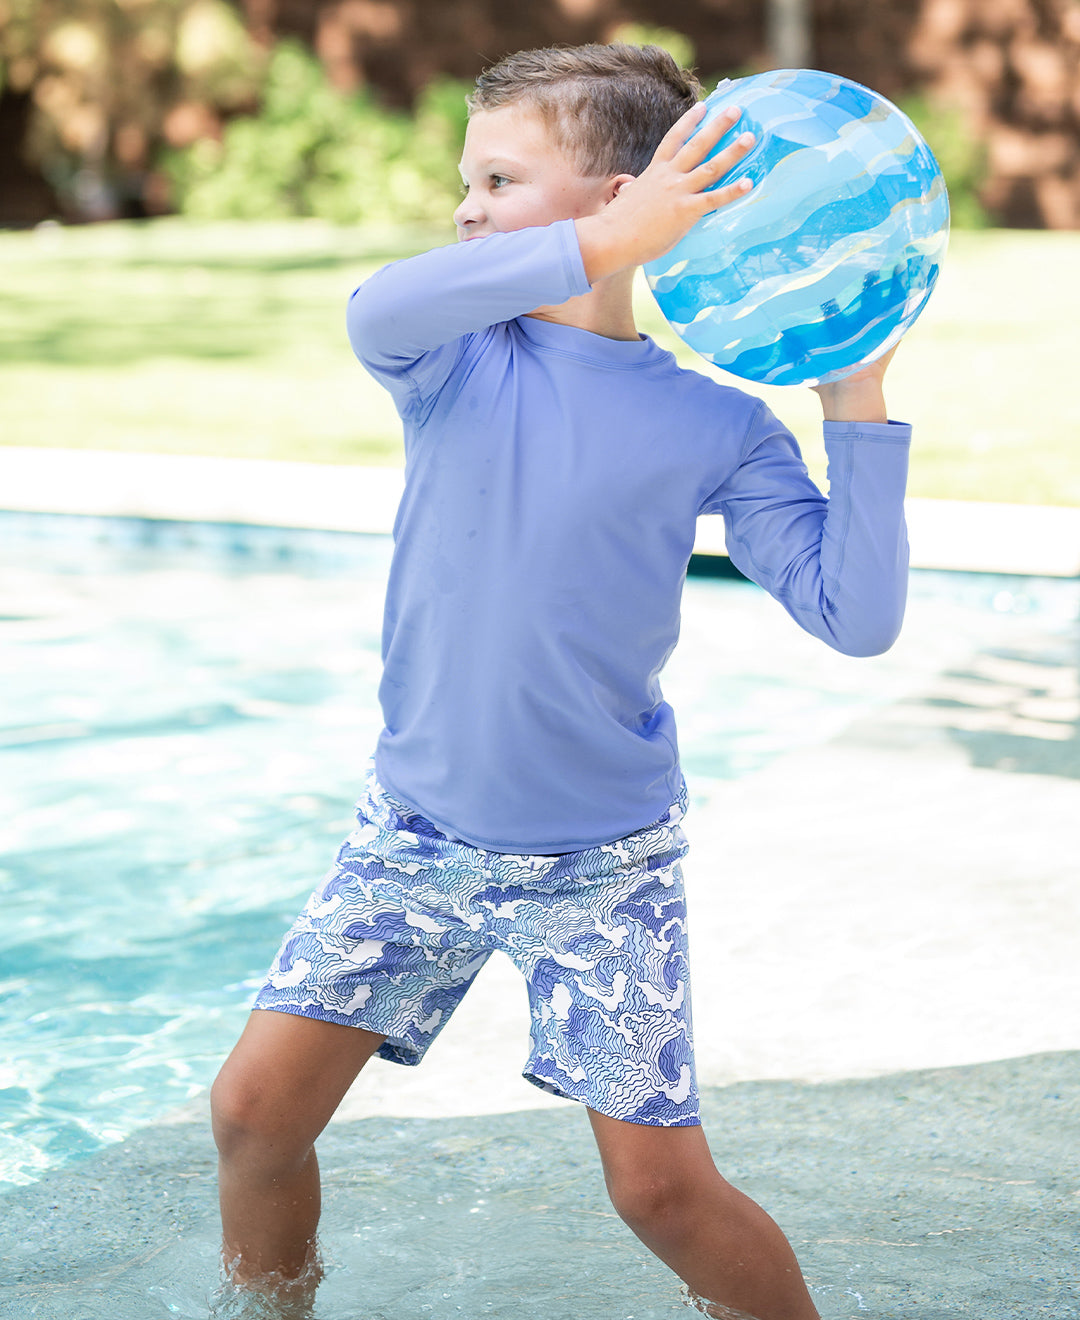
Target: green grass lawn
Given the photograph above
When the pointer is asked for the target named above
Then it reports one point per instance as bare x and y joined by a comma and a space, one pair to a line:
228, 339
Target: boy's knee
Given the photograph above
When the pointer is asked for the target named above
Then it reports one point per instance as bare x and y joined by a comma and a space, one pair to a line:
233, 1109
650, 1201
245, 1116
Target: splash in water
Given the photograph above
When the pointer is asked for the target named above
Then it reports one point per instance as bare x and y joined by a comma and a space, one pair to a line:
270, 1296
716, 1309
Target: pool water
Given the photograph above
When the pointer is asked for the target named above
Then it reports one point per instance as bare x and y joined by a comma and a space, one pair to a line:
186, 715
900, 1196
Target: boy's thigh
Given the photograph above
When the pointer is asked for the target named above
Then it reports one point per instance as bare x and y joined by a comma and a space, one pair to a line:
402, 990
379, 947
646, 1154
609, 992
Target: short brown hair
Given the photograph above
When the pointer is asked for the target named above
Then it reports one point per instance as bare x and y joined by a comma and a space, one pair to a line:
607, 106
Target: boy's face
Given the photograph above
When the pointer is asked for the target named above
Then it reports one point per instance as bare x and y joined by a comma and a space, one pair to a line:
515, 176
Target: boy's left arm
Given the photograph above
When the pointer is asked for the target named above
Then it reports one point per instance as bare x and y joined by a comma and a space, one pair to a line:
859, 397
839, 566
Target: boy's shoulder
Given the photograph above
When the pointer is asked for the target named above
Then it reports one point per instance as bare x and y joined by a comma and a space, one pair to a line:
701, 390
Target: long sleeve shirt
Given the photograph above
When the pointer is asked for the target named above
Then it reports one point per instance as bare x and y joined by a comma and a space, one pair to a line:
553, 481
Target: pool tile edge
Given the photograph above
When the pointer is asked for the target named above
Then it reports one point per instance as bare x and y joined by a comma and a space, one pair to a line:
952, 535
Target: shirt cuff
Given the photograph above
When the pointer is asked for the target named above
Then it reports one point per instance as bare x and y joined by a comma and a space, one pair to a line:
890, 433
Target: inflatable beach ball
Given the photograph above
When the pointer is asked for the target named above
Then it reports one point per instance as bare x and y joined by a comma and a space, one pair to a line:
824, 265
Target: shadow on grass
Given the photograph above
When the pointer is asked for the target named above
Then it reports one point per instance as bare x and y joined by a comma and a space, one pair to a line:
179, 327
101, 297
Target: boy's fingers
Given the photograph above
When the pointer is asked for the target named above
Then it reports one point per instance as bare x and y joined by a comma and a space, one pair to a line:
697, 147
730, 192
686, 144
675, 138
724, 161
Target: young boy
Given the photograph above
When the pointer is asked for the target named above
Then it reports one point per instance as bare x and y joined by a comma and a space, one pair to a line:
526, 792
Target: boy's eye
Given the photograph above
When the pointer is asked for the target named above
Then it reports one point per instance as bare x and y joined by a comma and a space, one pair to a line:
497, 180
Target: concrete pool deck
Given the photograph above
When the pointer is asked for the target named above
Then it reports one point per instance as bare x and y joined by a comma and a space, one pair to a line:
886, 979
945, 534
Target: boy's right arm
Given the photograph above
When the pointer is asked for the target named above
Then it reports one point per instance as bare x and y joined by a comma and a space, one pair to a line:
651, 213
407, 323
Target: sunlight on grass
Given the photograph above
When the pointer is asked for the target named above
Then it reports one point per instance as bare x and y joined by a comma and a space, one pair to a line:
180, 338
984, 375
229, 339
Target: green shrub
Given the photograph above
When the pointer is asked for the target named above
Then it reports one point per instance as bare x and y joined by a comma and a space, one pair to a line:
677, 44
315, 151
961, 156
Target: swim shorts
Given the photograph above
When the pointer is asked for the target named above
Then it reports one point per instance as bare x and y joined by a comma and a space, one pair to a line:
394, 935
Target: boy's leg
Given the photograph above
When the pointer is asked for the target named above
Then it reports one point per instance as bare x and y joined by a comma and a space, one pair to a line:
274, 1095
725, 1248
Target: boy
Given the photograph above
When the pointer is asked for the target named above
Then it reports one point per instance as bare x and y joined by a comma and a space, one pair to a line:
526, 792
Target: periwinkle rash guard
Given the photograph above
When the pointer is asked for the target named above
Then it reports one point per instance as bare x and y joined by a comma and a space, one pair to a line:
553, 478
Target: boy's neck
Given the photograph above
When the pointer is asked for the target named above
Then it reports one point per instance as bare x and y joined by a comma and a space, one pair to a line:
607, 309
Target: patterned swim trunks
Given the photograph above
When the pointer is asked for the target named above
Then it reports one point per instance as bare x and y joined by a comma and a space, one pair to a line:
393, 937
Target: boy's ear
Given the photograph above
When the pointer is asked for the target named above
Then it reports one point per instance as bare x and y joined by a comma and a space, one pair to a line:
618, 183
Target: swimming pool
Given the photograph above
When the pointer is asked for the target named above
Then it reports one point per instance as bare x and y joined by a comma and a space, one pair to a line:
187, 711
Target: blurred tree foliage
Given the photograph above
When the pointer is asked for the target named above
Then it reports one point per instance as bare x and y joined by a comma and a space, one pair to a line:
963, 159
143, 106
678, 46
313, 150
110, 81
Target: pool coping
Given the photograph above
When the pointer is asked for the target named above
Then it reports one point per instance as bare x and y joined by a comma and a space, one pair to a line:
1029, 540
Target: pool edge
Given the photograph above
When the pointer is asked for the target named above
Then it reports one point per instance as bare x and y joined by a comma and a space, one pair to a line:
951, 535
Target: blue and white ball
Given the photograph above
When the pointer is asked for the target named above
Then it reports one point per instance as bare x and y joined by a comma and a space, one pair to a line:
824, 265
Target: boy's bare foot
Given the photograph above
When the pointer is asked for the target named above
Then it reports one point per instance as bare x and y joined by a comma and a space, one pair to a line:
716, 1309
267, 1296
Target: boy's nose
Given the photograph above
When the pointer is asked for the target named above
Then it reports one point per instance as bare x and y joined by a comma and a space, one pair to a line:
467, 213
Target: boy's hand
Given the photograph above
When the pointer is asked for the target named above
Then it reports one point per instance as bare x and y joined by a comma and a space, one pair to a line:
859, 397
651, 213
